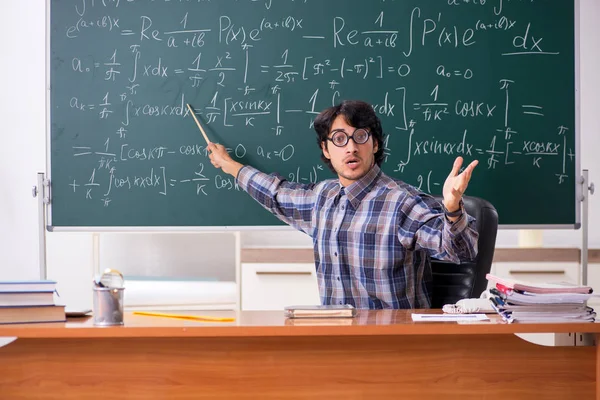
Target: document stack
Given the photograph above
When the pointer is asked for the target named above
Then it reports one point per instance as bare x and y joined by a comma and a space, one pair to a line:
28, 302
518, 301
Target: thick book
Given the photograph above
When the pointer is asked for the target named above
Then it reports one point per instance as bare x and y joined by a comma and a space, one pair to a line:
553, 319
27, 286
548, 298
328, 311
554, 308
534, 287
13, 298
31, 314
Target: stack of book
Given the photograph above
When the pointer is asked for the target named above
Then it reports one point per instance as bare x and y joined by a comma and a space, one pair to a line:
518, 301
28, 302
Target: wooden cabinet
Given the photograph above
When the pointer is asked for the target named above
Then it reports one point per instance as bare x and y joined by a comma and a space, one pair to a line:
272, 286
540, 271
538, 264
272, 278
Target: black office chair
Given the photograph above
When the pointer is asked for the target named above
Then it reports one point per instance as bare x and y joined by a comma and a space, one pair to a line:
452, 282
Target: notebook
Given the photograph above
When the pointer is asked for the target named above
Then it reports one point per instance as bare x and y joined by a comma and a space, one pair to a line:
13, 298
27, 286
328, 311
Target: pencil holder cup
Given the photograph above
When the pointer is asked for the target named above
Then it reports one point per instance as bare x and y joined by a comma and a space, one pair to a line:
108, 306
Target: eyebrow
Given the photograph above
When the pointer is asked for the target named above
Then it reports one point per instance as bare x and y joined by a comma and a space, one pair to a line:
339, 130
343, 130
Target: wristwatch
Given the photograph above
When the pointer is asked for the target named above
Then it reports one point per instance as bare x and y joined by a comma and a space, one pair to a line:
456, 213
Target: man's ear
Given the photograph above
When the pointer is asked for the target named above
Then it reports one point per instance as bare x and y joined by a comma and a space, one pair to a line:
325, 151
375, 146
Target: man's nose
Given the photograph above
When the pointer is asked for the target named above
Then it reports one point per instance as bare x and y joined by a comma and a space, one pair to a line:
351, 146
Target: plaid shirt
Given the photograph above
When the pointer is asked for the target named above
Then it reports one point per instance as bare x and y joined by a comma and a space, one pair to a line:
372, 240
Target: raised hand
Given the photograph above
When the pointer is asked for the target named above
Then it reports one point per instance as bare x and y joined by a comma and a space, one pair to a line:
456, 184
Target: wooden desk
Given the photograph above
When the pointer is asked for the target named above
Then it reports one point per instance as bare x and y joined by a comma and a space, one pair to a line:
379, 355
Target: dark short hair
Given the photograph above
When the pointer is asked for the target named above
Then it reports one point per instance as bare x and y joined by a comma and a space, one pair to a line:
357, 114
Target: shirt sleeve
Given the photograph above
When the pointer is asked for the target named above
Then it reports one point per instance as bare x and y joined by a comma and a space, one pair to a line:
424, 226
293, 203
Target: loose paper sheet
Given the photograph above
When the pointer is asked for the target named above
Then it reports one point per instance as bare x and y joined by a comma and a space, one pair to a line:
449, 317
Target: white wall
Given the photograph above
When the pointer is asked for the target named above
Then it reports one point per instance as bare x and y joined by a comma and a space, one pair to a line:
22, 119
22, 124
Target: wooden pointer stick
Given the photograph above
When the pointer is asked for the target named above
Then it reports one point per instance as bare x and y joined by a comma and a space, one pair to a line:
199, 126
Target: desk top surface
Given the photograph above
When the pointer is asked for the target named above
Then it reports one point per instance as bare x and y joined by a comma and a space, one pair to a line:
274, 323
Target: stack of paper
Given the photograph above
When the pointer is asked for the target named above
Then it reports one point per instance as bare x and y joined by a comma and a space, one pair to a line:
518, 301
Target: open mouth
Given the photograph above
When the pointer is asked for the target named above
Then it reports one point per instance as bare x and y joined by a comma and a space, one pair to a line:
352, 162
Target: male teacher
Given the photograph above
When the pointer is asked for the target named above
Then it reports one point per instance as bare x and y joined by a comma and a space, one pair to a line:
373, 236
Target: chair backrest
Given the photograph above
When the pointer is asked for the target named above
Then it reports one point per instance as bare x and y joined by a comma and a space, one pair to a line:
452, 282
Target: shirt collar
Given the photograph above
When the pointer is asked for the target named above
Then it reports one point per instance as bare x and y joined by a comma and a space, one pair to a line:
359, 189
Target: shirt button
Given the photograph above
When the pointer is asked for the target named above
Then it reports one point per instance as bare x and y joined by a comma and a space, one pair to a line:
338, 278
343, 207
339, 302
335, 254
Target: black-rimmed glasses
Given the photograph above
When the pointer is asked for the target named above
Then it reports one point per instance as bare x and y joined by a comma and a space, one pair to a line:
340, 138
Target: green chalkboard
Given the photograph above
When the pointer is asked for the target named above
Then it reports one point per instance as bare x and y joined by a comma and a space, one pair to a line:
489, 80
